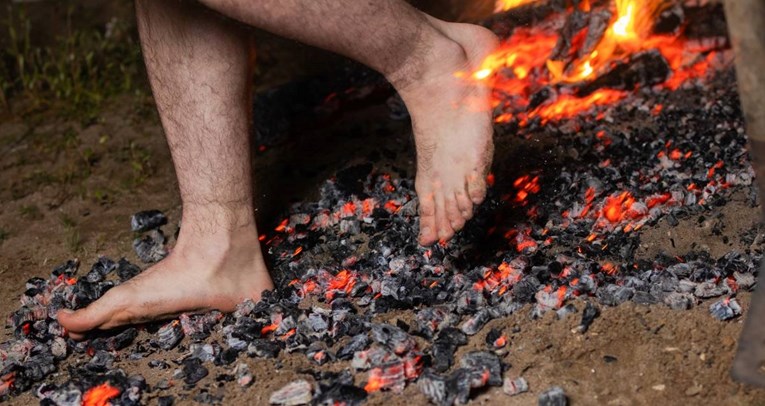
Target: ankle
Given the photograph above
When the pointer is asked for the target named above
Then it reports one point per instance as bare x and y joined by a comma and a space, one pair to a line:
435, 56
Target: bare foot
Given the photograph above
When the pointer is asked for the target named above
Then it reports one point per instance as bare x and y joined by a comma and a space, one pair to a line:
217, 271
452, 125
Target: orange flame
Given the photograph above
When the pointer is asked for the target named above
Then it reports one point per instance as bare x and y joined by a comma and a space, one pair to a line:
100, 395
504, 5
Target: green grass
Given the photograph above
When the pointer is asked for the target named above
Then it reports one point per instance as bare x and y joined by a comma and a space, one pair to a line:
72, 238
30, 212
76, 74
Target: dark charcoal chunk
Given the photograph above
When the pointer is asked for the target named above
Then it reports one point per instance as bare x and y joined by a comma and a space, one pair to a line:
226, 357
69, 268
554, 396
126, 270
357, 343
392, 337
150, 248
588, 316
525, 290
725, 309
263, 348
614, 295
166, 400
147, 220
643, 69
341, 394
169, 335
193, 371
481, 362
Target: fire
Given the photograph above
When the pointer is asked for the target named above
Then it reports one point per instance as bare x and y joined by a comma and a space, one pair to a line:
532, 78
100, 395
504, 5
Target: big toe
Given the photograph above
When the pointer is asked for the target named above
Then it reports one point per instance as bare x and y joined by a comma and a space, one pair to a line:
94, 316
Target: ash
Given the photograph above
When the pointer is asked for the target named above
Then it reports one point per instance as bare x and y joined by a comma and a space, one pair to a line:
556, 234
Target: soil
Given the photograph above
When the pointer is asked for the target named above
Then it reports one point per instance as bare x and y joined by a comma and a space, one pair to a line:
68, 190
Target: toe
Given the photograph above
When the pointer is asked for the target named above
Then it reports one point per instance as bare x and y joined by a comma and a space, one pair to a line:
445, 230
427, 210
476, 188
453, 213
90, 318
464, 204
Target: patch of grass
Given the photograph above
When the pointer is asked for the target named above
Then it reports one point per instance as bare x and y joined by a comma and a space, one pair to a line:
72, 238
77, 73
30, 212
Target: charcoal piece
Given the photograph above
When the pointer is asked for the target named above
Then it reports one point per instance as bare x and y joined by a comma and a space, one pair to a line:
434, 388
147, 220
205, 352
65, 395
709, 289
554, 396
317, 352
104, 266
151, 247
669, 20
68, 268
388, 376
126, 270
115, 342
525, 289
341, 394
199, 326
679, 301
644, 298
482, 362
476, 322
515, 386
373, 357
496, 339
565, 311
588, 316
169, 335
575, 22
101, 361
725, 309
243, 376
392, 337
643, 69
596, 27
226, 357
204, 396
614, 295
745, 281
263, 349
356, 343
58, 348
167, 400
294, 393
430, 320
247, 329
37, 367
445, 346
193, 371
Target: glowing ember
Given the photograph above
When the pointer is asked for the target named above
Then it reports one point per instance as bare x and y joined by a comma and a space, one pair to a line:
100, 395
504, 5
526, 66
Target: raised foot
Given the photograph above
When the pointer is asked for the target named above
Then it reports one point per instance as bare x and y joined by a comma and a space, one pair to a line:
452, 125
195, 277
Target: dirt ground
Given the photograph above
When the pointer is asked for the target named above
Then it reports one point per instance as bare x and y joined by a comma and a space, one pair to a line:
68, 190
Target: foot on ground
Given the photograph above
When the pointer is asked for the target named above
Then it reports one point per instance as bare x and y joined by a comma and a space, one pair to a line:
199, 275
452, 125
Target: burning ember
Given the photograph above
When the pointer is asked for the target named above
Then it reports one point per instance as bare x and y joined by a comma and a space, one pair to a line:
594, 55
554, 236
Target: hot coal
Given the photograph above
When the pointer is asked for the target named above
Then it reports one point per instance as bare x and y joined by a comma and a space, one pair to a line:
725, 309
550, 235
151, 247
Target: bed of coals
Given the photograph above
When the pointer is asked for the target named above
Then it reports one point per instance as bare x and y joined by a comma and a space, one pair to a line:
543, 240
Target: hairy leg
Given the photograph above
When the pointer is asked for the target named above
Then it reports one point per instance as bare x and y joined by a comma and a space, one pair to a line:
419, 55
199, 71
